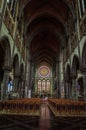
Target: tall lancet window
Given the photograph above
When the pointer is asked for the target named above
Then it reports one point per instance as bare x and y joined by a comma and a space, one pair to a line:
43, 79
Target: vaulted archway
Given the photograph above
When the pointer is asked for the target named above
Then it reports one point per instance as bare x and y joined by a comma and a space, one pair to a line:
5, 65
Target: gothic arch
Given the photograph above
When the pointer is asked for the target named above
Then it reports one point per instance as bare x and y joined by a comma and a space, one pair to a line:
68, 83
6, 51
80, 82
5, 64
68, 73
16, 72
21, 81
84, 56
16, 64
22, 70
75, 65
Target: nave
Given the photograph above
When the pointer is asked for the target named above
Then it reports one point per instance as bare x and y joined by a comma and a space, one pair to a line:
46, 121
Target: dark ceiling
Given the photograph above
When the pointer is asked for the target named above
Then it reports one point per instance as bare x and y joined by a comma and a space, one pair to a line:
46, 27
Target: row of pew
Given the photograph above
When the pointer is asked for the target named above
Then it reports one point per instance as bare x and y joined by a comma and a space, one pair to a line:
21, 106
66, 107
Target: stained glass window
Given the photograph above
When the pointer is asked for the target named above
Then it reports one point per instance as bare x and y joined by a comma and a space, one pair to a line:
43, 75
48, 85
44, 71
39, 85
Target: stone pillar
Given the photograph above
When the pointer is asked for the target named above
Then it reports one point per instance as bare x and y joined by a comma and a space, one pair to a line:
58, 79
14, 9
16, 82
21, 87
32, 79
66, 90
74, 96
78, 13
11, 4
34, 73
25, 72
2, 11
28, 78
78, 5
84, 84
70, 90
4, 85
83, 6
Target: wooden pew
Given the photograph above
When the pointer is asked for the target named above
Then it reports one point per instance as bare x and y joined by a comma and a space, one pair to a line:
68, 107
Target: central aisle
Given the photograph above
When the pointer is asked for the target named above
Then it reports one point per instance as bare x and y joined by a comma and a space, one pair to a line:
44, 122
47, 121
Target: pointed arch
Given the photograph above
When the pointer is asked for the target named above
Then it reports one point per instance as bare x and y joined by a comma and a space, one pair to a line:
16, 64
68, 73
84, 56
5, 45
75, 65
22, 69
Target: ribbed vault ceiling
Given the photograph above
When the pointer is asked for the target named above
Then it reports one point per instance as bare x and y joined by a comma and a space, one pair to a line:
46, 28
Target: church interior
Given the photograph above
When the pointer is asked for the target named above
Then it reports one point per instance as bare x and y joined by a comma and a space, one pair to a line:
43, 64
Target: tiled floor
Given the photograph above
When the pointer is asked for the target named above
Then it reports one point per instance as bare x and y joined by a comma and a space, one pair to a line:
46, 121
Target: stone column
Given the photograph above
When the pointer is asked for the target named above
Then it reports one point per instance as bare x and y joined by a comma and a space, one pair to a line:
83, 5
2, 11
78, 5
78, 14
32, 78
28, 77
66, 90
58, 80
21, 85
84, 84
16, 82
34, 73
11, 4
70, 90
23, 88
74, 96
4, 85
